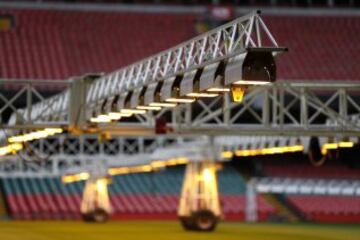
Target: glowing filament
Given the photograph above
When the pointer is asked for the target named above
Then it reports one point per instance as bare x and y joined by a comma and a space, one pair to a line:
199, 95
217, 89
132, 111
158, 104
156, 108
181, 100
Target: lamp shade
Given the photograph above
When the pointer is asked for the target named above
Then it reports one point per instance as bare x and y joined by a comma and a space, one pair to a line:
149, 96
255, 67
212, 76
187, 83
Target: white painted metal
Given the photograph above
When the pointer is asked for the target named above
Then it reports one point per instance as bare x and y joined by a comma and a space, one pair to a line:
251, 202
61, 155
300, 186
310, 108
218, 44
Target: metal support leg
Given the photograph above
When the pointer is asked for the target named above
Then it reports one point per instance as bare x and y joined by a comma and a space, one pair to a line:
95, 204
199, 207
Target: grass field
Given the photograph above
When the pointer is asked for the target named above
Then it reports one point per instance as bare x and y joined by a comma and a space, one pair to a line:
11, 230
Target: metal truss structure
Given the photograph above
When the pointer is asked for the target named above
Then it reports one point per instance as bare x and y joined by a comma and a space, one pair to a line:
232, 39
279, 109
282, 108
27, 101
63, 154
224, 42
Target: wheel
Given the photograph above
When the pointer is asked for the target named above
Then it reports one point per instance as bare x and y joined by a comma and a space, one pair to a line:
86, 217
204, 220
100, 215
187, 223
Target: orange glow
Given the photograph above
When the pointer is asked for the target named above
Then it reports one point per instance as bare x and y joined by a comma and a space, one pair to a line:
75, 177
331, 146
34, 135
10, 149
269, 151
227, 154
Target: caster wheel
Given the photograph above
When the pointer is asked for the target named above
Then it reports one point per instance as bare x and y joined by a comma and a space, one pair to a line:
100, 216
86, 217
205, 220
187, 223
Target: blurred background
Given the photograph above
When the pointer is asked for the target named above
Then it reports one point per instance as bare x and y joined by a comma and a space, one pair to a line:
55, 40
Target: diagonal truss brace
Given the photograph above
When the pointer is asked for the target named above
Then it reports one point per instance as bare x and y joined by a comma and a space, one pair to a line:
218, 44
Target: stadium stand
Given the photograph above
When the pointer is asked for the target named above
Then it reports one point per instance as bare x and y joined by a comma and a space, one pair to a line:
50, 44
137, 196
316, 208
328, 208
54, 44
302, 168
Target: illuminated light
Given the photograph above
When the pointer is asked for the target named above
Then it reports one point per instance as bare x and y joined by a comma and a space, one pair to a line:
295, 148
126, 170
182, 160
216, 89
181, 100
10, 149
178, 161
200, 95
101, 119
207, 175
146, 168
132, 111
15, 139
237, 93
169, 162
34, 135
330, 146
101, 186
115, 116
158, 164
39, 134
227, 154
243, 153
149, 108
269, 151
104, 117
118, 171
324, 151
52, 131
15, 147
22, 138
75, 177
158, 104
245, 82
346, 144
95, 196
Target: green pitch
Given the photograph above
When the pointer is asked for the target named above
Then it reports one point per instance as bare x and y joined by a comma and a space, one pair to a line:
139, 230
